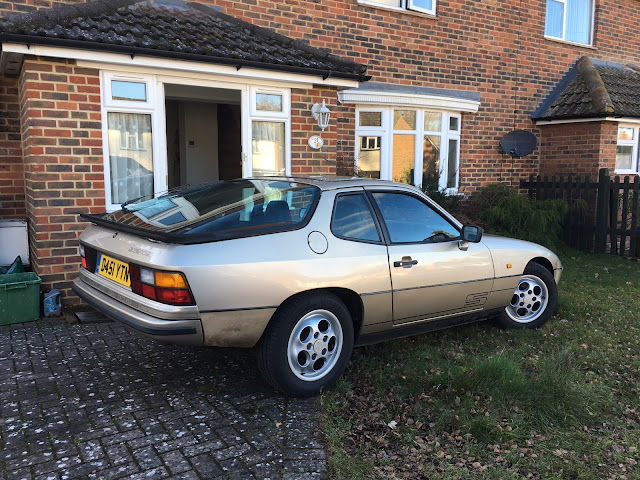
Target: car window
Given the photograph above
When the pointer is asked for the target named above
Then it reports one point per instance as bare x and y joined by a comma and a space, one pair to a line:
223, 210
352, 219
409, 219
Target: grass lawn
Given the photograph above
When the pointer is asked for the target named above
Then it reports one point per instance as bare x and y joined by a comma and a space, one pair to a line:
480, 402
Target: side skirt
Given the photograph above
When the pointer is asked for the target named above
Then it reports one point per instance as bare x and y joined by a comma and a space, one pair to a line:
426, 326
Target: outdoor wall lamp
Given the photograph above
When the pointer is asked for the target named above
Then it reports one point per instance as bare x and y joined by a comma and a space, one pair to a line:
321, 113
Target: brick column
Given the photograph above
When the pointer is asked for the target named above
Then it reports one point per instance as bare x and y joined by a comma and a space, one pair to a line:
62, 148
578, 148
304, 159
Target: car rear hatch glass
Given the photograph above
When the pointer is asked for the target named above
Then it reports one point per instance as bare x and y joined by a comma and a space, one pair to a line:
217, 211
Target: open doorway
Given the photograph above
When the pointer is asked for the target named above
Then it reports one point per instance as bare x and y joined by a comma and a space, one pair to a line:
204, 141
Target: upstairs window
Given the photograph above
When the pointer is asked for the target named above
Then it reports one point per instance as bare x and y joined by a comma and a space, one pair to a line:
570, 20
423, 6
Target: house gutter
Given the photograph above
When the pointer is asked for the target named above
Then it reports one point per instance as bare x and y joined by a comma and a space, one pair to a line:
133, 51
609, 118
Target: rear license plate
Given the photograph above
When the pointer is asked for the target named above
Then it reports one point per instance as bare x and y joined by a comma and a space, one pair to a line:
113, 269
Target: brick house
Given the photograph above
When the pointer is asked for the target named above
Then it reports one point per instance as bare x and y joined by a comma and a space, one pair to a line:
110, 100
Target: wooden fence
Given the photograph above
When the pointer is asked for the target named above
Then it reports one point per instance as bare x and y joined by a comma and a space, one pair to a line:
603, 215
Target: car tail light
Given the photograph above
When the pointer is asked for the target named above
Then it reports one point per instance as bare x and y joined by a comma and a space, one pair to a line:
88, 255
164, 287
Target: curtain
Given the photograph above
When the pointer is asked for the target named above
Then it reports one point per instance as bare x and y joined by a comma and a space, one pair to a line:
421, 4
555, 19
268, 144
130, 156
579, 21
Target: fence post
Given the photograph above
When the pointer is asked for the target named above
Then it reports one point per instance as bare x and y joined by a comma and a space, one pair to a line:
602, 211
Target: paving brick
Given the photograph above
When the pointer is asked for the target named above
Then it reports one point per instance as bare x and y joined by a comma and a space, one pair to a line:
142, 410
176, 462
147, 458
206, 466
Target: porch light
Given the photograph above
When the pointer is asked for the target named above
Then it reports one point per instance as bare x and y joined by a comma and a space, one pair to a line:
321, 113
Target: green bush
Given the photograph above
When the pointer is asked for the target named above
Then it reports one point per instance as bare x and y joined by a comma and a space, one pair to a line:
450, 203
518, 216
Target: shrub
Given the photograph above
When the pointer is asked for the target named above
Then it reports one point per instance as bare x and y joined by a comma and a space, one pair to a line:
516, 215
450, 203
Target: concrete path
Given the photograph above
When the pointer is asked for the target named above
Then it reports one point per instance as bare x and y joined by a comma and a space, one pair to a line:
98, 401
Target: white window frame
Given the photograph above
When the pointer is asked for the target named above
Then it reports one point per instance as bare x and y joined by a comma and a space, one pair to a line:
266, 116
635, 143
405, 6
374, 131
155, 97
386, 132
563, 38
155, 106
286, 101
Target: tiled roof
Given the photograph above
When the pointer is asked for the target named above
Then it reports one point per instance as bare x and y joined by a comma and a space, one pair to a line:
593, 89
173, 29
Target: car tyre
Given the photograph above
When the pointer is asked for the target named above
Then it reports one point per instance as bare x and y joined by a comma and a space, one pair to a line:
307, 344
534, 299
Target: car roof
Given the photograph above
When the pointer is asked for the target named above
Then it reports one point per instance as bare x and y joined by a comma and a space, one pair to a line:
333, 182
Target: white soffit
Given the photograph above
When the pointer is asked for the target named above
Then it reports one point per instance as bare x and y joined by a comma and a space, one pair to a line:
389, 98
107, 60
585, 120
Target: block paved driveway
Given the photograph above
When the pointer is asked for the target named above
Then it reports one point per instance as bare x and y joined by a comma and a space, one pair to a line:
98, 401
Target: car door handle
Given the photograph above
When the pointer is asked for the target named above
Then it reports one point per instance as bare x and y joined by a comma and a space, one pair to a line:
406, 262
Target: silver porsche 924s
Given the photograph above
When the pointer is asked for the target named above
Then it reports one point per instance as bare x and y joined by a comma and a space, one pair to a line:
303, 269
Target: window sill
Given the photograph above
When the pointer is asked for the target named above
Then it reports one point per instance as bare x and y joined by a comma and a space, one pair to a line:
397, 9
626, 172
567, 42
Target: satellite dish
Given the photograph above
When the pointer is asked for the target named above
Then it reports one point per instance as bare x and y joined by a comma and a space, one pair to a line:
519, 143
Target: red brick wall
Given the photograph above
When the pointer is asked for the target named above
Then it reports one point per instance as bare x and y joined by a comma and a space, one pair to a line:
11, 169
305, 160
25, 6
62, 142
12, 188
495, 48
578, 148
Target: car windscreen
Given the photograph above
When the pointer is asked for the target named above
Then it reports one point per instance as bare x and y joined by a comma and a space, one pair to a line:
221, 210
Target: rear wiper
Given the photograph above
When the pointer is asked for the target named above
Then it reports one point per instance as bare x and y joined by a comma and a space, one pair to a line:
123, 206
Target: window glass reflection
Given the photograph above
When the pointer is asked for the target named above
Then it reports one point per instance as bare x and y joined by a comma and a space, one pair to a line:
268, 144
352, 219
369, 157
136, 91
130, 156
268, 102
410, 220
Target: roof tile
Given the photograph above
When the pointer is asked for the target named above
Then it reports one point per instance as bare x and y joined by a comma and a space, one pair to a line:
603, 89
173, 29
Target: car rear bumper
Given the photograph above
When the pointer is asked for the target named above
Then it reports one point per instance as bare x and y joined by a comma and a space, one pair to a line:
186, 331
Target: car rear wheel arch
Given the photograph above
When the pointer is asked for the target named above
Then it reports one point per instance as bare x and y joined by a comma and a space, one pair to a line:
351, 300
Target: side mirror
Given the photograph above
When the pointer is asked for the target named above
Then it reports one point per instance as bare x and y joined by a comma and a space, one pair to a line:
471, 233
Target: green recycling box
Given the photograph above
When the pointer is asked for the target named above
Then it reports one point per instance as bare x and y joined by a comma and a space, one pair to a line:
19, 297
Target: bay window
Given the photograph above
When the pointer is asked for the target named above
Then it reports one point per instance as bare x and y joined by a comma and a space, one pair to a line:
409, 145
